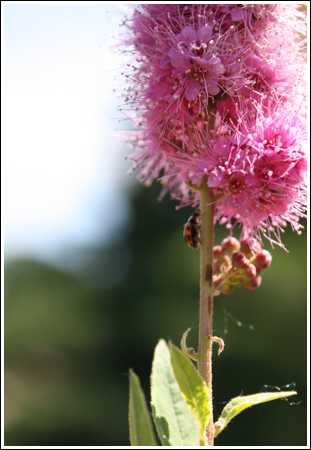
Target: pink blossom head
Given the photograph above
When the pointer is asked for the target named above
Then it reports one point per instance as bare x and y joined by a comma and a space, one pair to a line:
213, 93
259, 178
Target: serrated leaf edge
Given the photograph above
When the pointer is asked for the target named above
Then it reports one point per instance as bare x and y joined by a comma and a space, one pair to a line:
156, 352
132, 376
222, 421
201, 424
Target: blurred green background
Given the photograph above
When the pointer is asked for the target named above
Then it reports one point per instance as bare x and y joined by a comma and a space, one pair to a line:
70, 337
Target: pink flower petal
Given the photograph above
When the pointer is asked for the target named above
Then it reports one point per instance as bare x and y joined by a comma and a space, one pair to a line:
215, 179
187, 35
205, 33
192, 89
179, 60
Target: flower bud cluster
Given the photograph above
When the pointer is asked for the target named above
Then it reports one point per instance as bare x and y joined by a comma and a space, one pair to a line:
238, 263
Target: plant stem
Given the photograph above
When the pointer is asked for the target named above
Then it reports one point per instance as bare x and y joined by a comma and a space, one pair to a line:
206, 300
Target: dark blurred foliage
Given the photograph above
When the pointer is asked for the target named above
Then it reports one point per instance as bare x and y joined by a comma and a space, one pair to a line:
71, 338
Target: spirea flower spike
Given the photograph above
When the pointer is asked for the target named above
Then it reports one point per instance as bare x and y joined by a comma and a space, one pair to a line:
218, 90
216, 93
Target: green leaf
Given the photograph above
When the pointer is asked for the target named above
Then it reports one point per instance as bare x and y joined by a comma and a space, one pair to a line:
238, 404
175, 422
141, 429
192, 387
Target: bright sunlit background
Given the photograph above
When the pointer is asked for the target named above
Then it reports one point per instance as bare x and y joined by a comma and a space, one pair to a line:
63, 169
96, 270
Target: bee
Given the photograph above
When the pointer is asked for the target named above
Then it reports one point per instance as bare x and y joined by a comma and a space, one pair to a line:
191, 231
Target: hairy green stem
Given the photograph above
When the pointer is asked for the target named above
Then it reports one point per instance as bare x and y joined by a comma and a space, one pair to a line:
206, 300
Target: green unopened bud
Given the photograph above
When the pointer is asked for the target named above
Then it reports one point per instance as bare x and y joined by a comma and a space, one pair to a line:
237, 279
226, 288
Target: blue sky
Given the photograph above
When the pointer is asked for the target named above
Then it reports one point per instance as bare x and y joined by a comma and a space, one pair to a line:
64, 174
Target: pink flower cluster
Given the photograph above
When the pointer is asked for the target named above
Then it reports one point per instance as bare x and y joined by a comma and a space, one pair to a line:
217, 91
